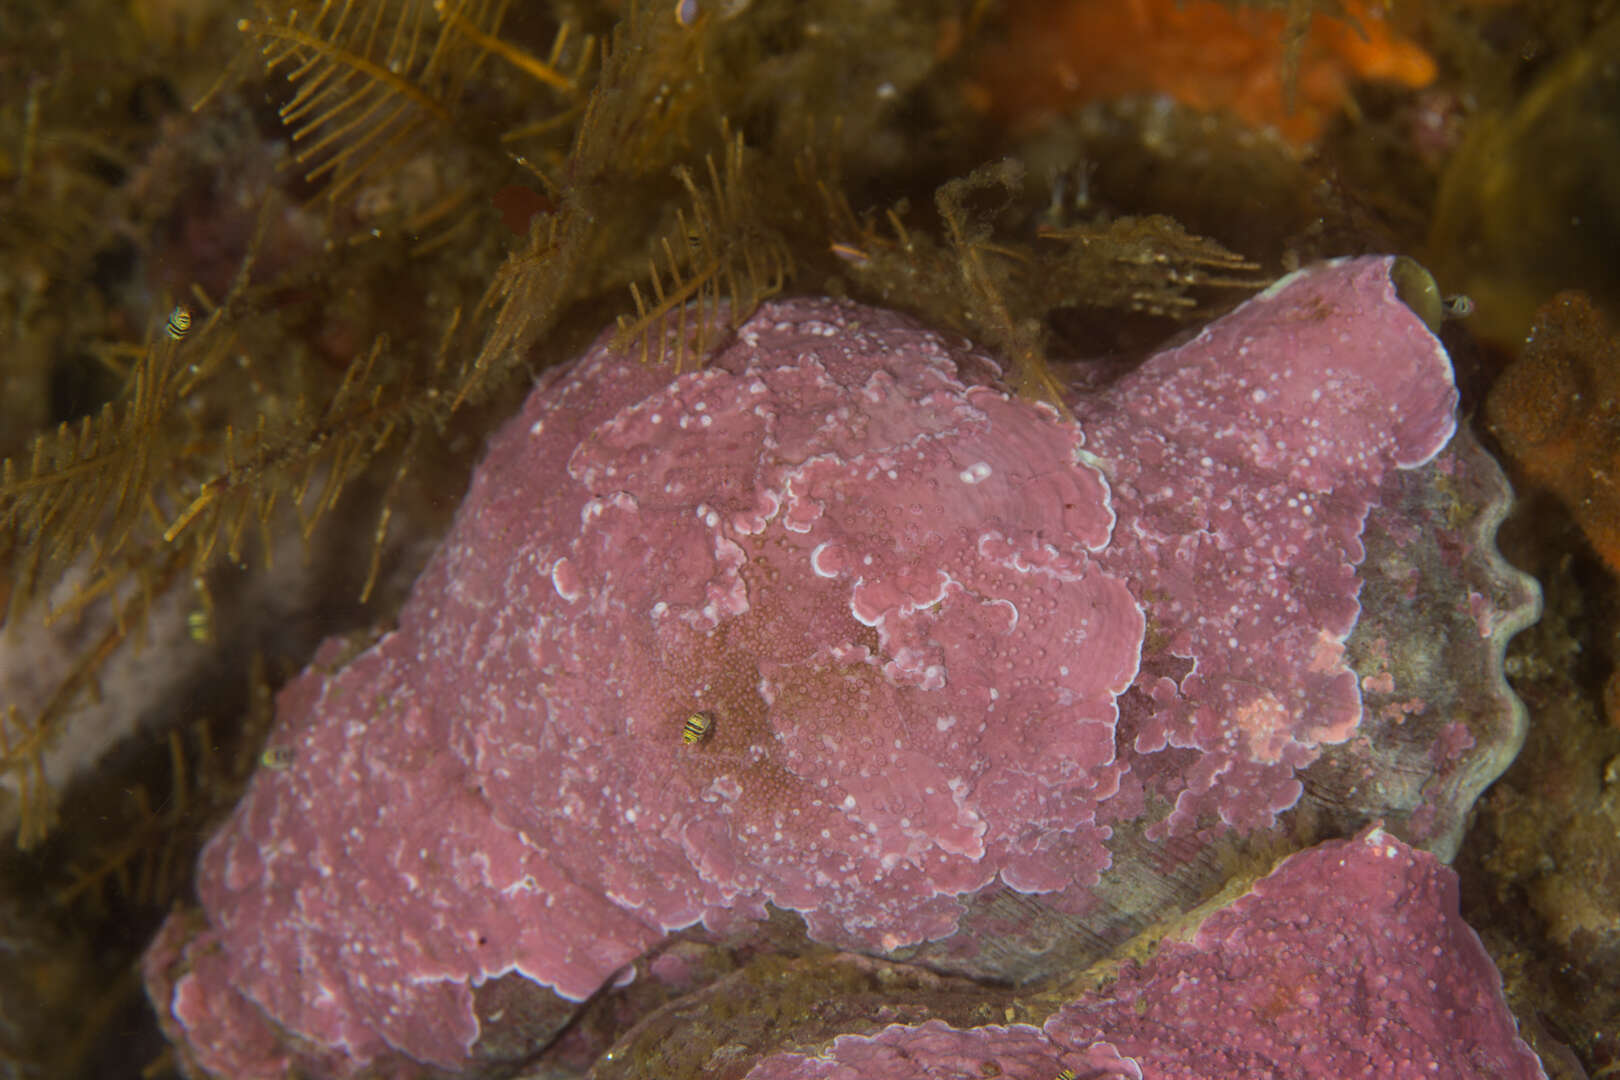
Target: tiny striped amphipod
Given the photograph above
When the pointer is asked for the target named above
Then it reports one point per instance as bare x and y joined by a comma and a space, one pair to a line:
179, 324
697, 727
276, 758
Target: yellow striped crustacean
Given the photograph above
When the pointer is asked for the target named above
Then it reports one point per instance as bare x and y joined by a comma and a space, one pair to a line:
698, 725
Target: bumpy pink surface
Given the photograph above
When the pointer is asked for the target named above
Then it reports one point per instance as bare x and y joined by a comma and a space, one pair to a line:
907, 601
934, 1048
1348, 960
1241, 467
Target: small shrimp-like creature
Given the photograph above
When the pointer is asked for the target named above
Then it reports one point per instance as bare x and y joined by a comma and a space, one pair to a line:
697, 728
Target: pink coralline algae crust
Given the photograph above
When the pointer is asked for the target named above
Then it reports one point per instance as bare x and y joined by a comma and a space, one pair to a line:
907, 605
934, 1048
1242, 467
1349, 960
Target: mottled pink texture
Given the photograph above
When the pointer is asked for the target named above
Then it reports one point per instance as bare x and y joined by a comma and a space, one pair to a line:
870, 573
909, 603
232, 1021
934, 1048
1242, 466
1348, 960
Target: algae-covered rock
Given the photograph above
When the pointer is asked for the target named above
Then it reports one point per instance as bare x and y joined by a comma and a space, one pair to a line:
835, 625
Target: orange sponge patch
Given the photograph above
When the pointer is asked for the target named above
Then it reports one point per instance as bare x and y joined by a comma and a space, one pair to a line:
1199, 52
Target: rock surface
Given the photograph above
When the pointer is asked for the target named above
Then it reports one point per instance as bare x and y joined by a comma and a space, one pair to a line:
969, 682
1350, 959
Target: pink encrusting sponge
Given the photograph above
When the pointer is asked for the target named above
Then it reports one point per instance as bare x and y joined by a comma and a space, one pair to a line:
1348, 960
833, 623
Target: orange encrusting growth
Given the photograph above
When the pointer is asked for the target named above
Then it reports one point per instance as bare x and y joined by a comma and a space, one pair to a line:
1060, 53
